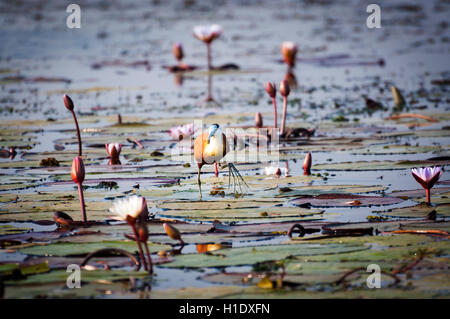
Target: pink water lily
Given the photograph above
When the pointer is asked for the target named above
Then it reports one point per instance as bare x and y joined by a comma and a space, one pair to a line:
289, 51
113, 149
207, 33
182, 131
427, 177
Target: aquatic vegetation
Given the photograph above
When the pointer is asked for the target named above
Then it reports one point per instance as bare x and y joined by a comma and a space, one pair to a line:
129, 210
271, 89
70, 106
182, 131
289, 52
305, 230
77, 173
208, 34
427, 177
173, 233
307, 164
284, 91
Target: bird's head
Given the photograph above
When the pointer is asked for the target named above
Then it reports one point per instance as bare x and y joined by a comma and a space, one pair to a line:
212, 131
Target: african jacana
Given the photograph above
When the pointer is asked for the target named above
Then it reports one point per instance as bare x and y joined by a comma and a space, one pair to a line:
209, 148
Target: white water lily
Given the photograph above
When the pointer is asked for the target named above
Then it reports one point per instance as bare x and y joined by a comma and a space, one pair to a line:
207, 33
128, 209
275, 170
113, 149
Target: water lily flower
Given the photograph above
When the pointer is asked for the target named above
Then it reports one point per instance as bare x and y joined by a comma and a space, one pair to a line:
77, 174
284, 91
427, 177
173, 233
128, 210
113, 149
275, 170
271, 89
307, 164
289, 52
207, 34
70, 106
182, 131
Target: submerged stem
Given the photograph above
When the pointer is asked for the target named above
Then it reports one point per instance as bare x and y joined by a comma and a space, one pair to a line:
150, 266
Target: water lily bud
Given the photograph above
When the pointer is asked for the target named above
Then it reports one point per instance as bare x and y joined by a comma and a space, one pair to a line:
399, 101
307, 163
68, 102
142, 232
178, 51
77, 170
172, 232
289, 52
271, 89
113, 149
278, 172
284, 88
258, 120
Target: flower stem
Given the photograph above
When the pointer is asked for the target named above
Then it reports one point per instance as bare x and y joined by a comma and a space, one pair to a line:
78, 133
208, 52
209, 98
150, 266
274, 102
283, 118
83, 206
427, 191
141, 253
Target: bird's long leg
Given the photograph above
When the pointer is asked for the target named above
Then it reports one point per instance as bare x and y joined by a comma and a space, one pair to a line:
216, 169
199, 181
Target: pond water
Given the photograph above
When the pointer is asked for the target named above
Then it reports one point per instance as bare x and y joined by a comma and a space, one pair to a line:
115, 64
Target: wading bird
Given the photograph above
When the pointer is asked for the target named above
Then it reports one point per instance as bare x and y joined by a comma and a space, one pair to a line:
209, 148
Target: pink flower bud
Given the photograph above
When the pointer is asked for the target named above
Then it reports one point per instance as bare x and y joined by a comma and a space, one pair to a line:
77, 173
307, 163
177, 50
68, 102
271, 89
258, 120
284, 88
289, 52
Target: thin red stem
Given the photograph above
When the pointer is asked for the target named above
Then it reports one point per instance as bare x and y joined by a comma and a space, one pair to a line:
150, 266
209, 98
141, 253
208, 51
427, 191
283, 118
83, 207
78, 133
274, 102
